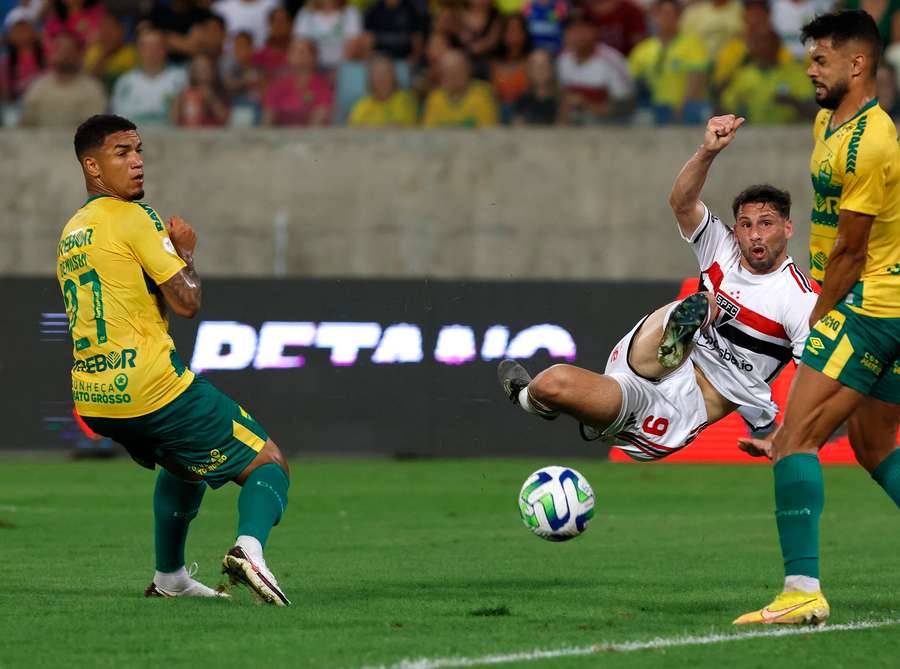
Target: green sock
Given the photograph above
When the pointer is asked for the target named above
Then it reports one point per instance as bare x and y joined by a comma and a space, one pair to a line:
799, 499
262, 501
175, 504
887, 474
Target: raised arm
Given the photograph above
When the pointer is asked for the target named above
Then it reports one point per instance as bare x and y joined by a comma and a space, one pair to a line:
685, 196
184, 291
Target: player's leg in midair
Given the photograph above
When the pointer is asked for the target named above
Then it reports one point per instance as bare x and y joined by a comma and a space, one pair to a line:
661, 345
666, 338
592, 398
261, 504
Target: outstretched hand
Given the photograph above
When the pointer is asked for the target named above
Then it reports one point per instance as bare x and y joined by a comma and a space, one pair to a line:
721, 131
756, 448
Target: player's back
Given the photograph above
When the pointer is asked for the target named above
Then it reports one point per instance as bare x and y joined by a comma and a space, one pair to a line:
111, 257
857, 167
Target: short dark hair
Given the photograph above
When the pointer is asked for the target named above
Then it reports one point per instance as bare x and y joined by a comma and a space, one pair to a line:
93, 132
846, 25
763, 194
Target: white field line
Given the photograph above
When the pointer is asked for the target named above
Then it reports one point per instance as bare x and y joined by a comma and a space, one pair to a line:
629, 646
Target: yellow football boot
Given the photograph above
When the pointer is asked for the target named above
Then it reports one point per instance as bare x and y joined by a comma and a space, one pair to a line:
790, 608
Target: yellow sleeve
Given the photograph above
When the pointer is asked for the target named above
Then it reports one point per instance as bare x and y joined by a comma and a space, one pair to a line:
865, 170
146, 236
486, 108
406, 110
358, 114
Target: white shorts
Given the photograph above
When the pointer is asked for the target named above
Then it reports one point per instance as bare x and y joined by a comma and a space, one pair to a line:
657, 418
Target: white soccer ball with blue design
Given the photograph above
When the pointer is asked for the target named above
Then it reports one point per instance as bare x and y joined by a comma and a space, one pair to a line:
556, 503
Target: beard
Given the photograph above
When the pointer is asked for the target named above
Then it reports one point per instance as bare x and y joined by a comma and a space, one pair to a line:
763, 265
833, 96
767, 262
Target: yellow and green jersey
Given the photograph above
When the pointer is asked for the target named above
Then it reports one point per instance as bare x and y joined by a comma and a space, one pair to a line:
476, 109
665, 68
111, 257
397, 110
856, 167
753, 92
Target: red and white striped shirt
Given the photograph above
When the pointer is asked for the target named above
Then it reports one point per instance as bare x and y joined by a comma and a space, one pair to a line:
762, 324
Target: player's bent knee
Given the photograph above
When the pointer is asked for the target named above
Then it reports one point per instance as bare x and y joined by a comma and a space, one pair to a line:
551, 386
270, 454
872, 438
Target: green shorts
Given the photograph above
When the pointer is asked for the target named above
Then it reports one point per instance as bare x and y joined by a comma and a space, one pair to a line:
861, 352
202, 430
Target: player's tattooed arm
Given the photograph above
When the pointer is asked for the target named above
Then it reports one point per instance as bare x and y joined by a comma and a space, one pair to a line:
184, 291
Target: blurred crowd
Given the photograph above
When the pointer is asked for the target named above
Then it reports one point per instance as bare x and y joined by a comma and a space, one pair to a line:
432, 63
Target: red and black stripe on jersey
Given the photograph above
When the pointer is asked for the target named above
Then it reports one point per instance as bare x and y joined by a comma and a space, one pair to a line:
757, 330
648, 450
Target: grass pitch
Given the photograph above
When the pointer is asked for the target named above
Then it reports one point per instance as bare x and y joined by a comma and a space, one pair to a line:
387, 561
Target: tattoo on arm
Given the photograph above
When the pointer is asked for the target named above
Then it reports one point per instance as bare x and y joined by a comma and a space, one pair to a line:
184, 291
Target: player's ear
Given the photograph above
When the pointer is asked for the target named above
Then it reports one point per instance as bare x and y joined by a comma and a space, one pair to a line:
859, 64
90, 166
788, 228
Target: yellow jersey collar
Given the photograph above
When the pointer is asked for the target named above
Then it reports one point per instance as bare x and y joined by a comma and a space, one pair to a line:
862, 110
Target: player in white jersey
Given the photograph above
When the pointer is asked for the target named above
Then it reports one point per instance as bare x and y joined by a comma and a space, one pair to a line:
691, 363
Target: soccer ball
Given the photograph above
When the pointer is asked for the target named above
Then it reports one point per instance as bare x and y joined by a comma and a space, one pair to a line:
556, 503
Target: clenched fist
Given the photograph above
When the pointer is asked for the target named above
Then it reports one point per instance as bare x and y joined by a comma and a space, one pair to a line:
720, 131
183, 237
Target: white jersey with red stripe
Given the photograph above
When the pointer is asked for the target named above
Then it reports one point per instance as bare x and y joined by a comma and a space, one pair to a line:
762, 324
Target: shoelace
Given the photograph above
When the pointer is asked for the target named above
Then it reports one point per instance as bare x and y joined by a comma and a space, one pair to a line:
193, 569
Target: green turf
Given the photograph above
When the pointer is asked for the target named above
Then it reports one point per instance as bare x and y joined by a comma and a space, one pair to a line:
392, 560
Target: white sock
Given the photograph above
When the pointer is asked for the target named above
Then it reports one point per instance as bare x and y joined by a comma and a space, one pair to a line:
251, 546
529, 406
172, 581
525, 402
801, 584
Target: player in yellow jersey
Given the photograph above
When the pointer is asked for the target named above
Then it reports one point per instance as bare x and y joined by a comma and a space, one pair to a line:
851, 362
118, 266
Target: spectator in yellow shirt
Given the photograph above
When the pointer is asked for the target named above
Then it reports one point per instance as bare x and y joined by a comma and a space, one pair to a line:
767, 92
734, 54
459, 101
714, 22
670, 68
109, 57
385, 106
